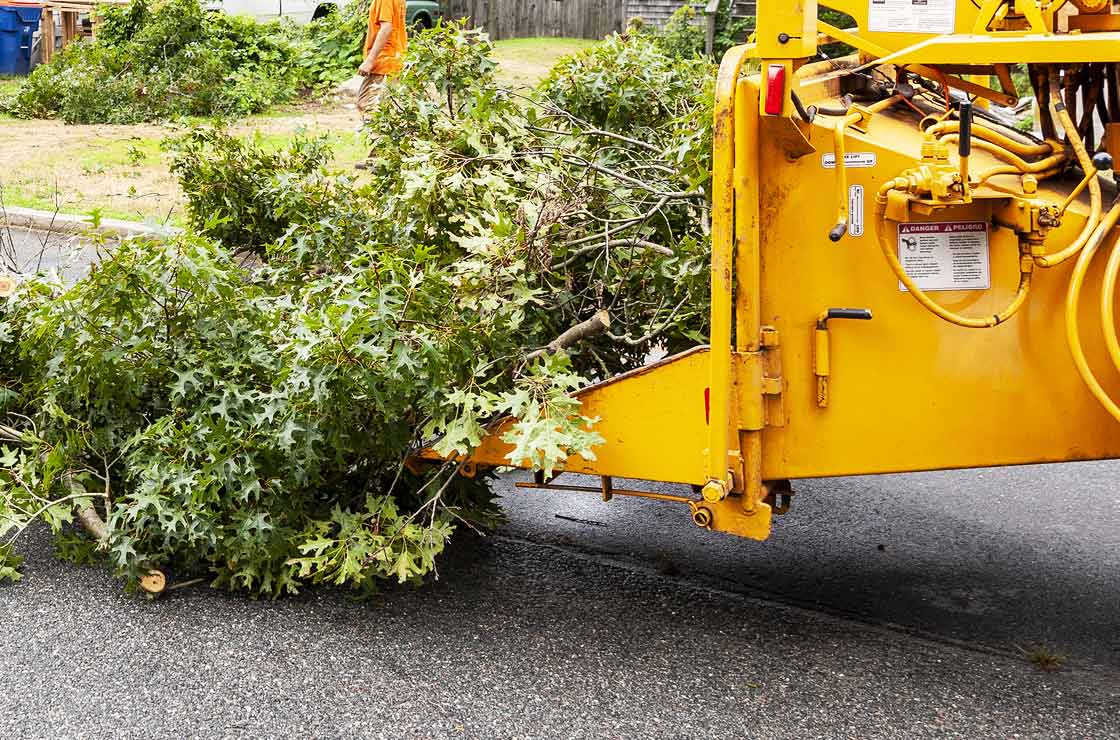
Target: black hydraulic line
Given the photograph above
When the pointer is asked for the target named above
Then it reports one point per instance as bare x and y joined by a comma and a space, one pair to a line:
1111, 72
807, 114
1040, 80
1090, 92
845, 106
1102, 108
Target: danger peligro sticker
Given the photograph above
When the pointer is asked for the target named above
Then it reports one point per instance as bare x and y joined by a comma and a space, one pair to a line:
945, 256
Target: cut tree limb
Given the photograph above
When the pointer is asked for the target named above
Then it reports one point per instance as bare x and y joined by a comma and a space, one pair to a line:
90, 519
594, 326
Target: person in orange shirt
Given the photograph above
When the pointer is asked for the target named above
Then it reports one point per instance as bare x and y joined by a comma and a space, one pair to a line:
386, 39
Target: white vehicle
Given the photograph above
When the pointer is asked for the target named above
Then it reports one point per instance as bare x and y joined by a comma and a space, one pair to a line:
299, 11
418, 13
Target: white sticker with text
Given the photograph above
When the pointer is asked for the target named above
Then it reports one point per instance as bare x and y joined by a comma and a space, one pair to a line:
855, 210
945, 256
851, 159
912, 16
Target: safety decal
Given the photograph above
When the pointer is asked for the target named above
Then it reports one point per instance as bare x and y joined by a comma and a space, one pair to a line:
855, 210
851, 159
945, 256
912, 16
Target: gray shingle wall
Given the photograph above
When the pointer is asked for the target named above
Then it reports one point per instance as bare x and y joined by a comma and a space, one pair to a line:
656, 12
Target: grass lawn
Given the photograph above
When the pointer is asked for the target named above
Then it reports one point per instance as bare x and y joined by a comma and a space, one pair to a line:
527, 61
8, 85
123, 171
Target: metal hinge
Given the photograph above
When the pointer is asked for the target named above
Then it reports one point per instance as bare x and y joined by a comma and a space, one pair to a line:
773, 384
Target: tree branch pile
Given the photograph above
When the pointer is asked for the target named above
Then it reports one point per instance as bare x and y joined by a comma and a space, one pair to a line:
251, 424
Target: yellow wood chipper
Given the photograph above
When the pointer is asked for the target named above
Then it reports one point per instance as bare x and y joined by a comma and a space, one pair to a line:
902, 279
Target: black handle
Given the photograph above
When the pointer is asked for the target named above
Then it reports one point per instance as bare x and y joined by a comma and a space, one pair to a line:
838, 232
862, 314
964, 147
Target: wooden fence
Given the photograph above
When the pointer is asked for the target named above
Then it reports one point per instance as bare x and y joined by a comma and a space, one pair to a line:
508, 19
587, 19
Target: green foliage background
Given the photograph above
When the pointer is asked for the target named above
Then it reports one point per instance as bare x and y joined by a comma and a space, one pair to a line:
164, 59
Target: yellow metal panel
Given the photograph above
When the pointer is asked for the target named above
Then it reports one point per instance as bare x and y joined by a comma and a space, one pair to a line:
787, 29
653, 422
909, 391
966, 13
1042, 49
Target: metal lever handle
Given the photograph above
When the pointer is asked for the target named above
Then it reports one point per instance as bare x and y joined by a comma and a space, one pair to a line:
859, 314
964, 147
964, 144
822, 355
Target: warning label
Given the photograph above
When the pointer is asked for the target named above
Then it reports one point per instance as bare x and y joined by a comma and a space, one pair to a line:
855, 210
912, 16
945, 256
851, 159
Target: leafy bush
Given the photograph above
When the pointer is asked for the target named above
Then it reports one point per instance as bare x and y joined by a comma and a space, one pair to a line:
233, 186
255, 425
683, 34
627, 83
330, 48
163, 60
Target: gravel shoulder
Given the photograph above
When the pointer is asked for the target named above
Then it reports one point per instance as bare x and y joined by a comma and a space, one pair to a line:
517, 640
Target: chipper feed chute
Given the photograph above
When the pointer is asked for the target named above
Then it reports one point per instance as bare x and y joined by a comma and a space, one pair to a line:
901, 279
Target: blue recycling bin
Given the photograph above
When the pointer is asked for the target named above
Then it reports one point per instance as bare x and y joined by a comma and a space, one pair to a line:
18, 24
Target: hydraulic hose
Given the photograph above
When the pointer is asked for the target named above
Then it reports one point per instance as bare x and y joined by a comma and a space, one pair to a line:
1108, 293
1010, 157
1020, 148
888, 248
1086, 162
1073, 298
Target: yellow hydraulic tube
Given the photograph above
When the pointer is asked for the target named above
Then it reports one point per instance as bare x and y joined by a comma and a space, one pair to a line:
1010, 157
1073, 297
839, 152
1086, 162
983, 132
1010, 169
1108, 300
888, 248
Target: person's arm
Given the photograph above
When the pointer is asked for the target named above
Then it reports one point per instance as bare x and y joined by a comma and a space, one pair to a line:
379, 42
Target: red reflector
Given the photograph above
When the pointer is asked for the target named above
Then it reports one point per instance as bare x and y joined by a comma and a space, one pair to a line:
775, 89
707, 405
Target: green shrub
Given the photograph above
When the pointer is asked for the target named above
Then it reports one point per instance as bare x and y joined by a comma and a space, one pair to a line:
233, 185
626, 83
164, 60
330, 48
682, 35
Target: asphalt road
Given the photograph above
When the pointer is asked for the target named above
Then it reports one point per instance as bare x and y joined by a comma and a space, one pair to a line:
31, 250
999, 559
517, 640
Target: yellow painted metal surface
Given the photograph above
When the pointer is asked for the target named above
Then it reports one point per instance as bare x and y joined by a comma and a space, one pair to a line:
786, 29
974, 49
911, 392
653, 422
